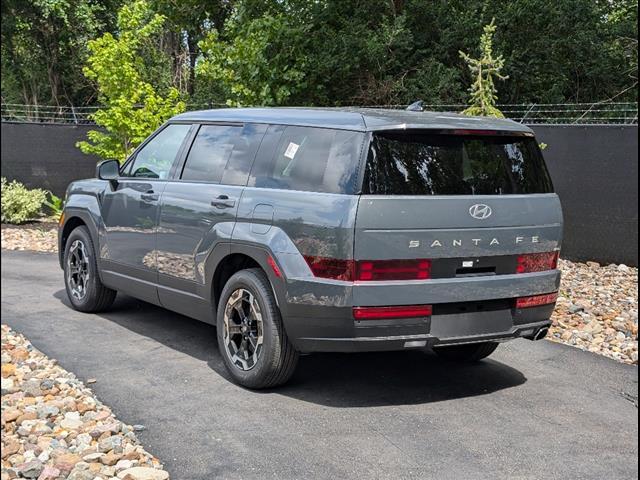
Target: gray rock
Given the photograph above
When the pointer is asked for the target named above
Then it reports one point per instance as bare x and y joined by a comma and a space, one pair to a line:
47, 411
575, 308
47, 384
114, 442
30, 469
31, 388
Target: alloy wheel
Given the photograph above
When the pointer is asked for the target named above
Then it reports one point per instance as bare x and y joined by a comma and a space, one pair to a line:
78, 269
243, 329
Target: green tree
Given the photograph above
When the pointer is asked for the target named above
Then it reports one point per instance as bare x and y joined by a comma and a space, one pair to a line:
485, 70
132, 106
44, 44
262, 63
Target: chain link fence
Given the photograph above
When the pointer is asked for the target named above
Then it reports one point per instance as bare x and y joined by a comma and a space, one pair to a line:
600, 113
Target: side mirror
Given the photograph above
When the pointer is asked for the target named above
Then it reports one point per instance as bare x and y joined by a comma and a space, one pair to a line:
108, 170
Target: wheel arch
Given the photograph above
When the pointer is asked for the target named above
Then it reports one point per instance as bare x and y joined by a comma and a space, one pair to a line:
74, 218
239, 257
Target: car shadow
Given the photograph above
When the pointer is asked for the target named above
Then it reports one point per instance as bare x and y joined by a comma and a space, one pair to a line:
329, 379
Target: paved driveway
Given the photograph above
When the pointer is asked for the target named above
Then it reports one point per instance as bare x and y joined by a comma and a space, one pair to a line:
535, 410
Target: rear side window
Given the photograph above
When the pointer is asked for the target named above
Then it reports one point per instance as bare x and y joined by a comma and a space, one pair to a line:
223, 153
308, 159
424, 163
210, 152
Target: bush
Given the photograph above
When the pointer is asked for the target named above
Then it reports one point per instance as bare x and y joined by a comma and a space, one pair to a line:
20, 204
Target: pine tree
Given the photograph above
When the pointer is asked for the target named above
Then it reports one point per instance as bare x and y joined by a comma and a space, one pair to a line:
485, 70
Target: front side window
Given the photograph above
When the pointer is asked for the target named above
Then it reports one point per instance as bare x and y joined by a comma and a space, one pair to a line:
424, 163
155, 159
308, 159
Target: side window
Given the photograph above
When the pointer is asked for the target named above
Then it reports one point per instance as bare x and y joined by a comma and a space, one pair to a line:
155, 159
223, 154
309, 159
210, 152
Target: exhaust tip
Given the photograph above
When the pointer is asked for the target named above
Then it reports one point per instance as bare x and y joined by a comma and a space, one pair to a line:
537, 335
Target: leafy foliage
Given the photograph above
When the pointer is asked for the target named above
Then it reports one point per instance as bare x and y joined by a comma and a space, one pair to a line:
55, 204
483, 93
20, 204
328, 52
44, 44
133, 107
263, 64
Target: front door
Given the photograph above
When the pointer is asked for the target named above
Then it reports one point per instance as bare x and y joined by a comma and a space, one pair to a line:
130, 210
198, 211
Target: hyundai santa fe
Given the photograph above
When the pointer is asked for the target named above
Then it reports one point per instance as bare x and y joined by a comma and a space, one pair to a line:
324, 230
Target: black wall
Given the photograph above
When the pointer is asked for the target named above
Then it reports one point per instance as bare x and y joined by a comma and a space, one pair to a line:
594, 169
45, 155
595, 173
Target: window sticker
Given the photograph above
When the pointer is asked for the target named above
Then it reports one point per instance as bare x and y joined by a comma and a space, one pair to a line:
291, 150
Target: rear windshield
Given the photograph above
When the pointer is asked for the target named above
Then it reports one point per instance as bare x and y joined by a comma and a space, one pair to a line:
425, 163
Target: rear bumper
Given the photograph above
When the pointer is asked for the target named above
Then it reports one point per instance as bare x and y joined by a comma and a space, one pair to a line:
436, 330
403, 342
465, 311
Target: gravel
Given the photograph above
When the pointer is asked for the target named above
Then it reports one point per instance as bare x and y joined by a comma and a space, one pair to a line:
37, 236
597, 307
597, 310
53, 427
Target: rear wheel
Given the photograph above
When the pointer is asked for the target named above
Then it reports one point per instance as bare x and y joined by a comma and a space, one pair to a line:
81, 280
472, 352
251, 337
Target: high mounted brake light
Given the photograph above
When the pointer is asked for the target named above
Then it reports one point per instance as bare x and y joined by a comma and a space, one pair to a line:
369, 270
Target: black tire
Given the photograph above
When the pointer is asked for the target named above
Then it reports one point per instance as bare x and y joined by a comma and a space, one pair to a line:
472, 352
277, 358
95, 296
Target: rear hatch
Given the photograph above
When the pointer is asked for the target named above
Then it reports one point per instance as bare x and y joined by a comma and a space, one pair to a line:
469, 201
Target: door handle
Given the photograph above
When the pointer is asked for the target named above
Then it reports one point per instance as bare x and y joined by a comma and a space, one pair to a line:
149, 196
223, 202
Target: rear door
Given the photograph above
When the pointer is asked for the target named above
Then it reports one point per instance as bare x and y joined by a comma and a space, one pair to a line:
470, 202
198, 210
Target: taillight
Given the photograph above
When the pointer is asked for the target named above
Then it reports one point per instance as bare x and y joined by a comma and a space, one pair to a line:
536, 300
369, 270
537, 262
333, 268
381, 313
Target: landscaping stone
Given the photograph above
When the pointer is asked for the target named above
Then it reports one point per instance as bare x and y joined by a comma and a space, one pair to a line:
54, 428
597, 310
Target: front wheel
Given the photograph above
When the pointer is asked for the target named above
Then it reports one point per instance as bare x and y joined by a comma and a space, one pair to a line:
472, 352
81, 280
251, 337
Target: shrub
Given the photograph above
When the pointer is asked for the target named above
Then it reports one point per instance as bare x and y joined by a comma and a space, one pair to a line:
55, 205
20, 204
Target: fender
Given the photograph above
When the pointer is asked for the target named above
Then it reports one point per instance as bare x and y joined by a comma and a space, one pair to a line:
86, 208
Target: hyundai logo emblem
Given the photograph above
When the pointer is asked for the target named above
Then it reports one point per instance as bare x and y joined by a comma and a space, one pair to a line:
480, 211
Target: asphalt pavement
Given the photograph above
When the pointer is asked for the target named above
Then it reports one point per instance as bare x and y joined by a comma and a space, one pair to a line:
533, 410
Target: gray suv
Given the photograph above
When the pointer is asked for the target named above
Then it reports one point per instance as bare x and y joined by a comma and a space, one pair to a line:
324, 230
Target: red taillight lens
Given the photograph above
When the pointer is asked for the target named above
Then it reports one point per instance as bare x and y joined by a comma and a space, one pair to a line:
537, 262
369, 270
333, 268
381, 313
536, 300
